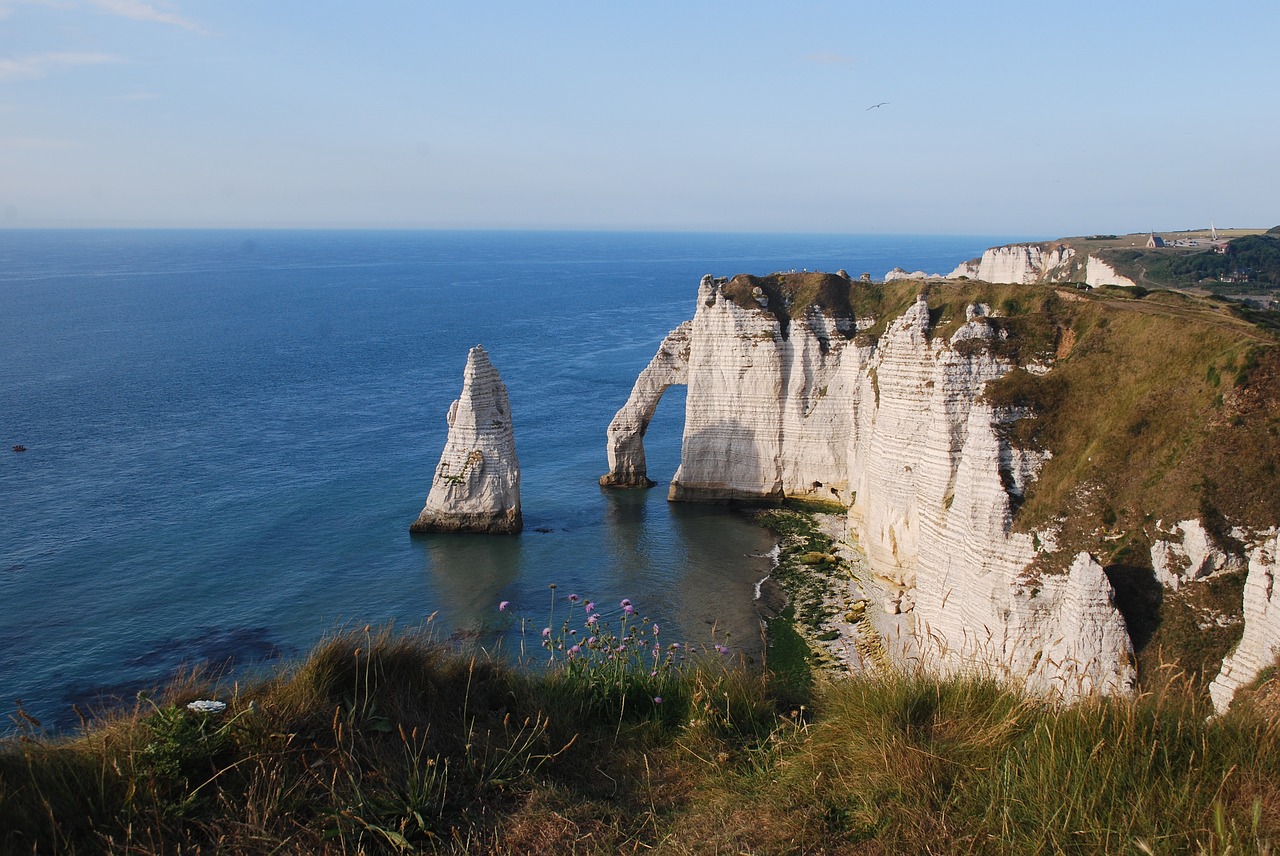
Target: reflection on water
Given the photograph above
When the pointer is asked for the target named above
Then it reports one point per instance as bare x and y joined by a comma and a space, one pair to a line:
470, 573
728, 553
629, 542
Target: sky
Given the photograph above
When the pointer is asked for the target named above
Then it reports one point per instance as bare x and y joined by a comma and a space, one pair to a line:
1027, 117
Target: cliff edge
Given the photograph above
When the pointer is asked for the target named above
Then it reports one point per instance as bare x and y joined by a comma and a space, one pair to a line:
1005, 454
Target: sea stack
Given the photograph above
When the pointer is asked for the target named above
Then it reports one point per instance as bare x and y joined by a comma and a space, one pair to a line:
477, 482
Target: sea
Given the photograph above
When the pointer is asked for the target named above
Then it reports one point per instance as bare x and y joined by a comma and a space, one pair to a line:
227, 434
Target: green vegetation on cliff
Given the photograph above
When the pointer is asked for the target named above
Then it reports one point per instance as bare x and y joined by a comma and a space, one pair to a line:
1254, 258
393, 744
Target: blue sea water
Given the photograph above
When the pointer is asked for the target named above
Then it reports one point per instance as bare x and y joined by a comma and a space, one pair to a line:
228, 434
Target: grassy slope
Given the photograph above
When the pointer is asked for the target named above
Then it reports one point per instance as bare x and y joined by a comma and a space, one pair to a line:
382, 744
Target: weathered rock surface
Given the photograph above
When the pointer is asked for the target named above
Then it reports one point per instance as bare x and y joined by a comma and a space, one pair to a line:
767, 412
1015, 263
1097, 272
1260, 644
627, 467
898, 431
1188, 553
898, 273
477, 483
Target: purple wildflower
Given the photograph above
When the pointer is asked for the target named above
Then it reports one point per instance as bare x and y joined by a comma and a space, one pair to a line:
657, 699
573, 598
625, 603
674, 646
546, 633
628, 609
575, 649
721, 649
502, 607
592, 619
591, 641
655, 629
590, 606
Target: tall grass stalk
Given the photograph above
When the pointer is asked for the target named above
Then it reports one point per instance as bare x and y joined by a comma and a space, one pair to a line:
410, 746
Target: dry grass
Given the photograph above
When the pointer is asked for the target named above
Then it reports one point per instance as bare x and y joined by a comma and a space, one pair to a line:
409, 747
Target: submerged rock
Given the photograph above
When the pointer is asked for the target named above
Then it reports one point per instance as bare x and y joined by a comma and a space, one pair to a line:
477, 482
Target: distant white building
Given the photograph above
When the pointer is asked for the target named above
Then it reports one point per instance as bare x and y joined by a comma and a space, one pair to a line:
1154, 241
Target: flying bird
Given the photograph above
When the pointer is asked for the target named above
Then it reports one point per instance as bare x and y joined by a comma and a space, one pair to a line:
874, 106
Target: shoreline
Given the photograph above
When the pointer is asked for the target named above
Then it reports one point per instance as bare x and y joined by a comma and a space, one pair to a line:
826, 595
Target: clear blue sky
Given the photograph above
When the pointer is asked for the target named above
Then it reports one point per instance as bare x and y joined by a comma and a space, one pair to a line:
1001, 117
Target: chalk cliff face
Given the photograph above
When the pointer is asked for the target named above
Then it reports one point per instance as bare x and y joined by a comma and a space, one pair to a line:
934, 485
899, 274
794, 405
1260, 643
1097, 272
1187, 554
767, 412
477, 482
1016, 263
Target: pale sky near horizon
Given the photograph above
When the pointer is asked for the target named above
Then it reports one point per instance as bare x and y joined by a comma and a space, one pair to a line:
998, 117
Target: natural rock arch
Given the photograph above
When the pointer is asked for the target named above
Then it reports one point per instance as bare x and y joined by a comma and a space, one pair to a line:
669, 366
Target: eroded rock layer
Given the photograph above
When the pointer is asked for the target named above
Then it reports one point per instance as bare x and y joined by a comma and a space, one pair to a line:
627, 467
1016, 263
1260, 644
785, 401
476, 487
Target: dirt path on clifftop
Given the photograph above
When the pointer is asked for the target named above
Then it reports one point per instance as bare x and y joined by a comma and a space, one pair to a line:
1204, 314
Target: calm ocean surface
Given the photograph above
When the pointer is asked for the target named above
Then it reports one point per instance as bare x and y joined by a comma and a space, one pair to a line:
229, 434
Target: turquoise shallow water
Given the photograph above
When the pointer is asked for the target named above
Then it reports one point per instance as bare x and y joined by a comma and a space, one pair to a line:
229, 433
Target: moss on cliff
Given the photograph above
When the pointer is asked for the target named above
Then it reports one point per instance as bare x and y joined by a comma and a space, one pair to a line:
790, 295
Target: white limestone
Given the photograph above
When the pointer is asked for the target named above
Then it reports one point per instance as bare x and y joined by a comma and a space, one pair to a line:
763, 410
1188, 553
898, 273
1260, 644
1097, 272
476, 487
899, 432
1015, 263
627, 466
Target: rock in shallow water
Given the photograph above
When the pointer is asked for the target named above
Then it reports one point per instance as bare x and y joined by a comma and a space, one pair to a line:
477, 482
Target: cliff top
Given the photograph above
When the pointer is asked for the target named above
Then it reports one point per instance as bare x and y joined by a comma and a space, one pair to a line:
1160, 405
790, 295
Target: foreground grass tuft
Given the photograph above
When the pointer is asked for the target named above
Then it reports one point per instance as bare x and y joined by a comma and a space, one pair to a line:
393, 743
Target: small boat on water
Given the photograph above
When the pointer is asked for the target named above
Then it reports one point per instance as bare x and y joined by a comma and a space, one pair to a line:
19, 448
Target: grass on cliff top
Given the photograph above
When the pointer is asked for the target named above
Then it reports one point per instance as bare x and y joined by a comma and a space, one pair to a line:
1163, 407
394, 744
790, 295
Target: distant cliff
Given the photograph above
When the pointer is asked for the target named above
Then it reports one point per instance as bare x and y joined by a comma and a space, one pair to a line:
1231, 262
1005, 453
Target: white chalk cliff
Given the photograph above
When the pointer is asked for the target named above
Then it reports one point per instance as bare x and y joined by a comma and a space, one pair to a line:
1187, 553
794, 405
476, 487
1097, 272
1260, 644
898, 274
1015, 263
